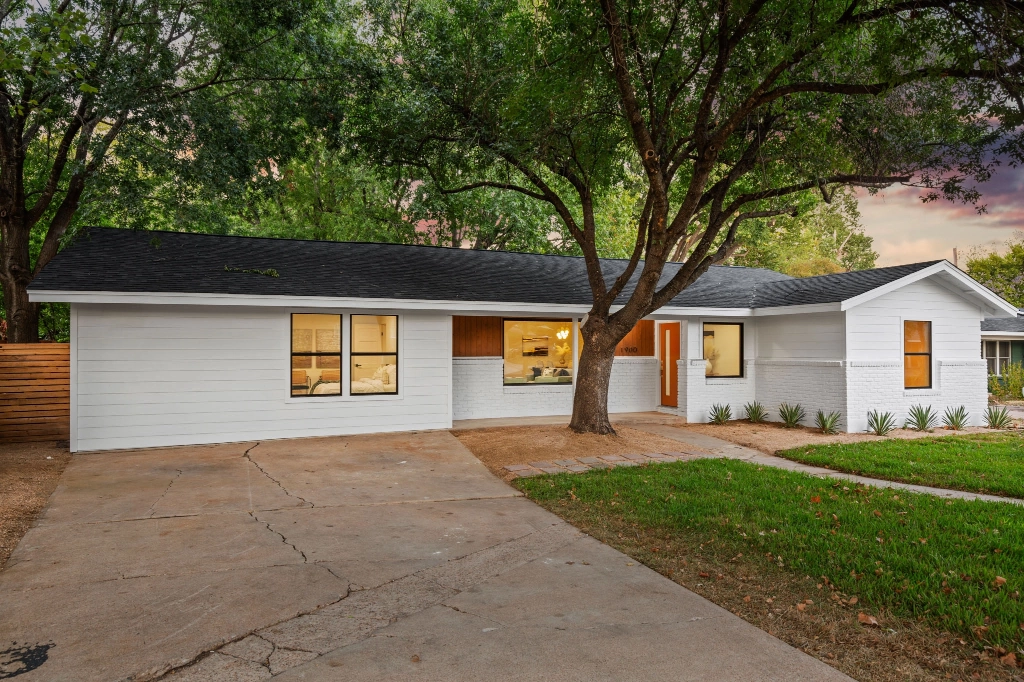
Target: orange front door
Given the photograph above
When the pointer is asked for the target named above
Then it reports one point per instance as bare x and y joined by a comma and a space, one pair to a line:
669, 332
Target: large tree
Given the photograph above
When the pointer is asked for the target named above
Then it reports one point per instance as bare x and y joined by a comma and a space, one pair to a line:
100, 97
729, 109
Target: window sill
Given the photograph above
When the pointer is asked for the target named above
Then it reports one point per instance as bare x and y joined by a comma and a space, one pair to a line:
536, 388
920, 392
713, 381
357, 398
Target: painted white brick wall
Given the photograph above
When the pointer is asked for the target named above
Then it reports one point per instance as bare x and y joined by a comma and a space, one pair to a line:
478, 392
698, 393
814, 384
878, 385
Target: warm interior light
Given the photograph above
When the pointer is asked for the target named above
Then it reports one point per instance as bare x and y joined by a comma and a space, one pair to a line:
563, 334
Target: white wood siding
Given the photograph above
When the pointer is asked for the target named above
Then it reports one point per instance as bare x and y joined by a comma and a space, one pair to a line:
169, 375
875, 332
817, 336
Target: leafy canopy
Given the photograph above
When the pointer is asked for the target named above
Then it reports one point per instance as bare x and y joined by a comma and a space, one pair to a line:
728, 111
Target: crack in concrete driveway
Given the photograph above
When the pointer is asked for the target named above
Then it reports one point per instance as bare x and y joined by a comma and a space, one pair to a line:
370, 557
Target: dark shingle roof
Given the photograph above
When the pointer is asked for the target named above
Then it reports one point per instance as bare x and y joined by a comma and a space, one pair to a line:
114, 260
1004, 324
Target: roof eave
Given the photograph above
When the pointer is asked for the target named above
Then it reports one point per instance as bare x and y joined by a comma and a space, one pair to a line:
989, 301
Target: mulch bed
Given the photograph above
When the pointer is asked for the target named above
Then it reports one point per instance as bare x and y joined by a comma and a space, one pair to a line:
28, 475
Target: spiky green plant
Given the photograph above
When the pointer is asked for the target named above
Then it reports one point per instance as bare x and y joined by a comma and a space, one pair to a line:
881, 423
955, 418
996, 417
791, 415
828, 422
720, 414
920, 418
756, 412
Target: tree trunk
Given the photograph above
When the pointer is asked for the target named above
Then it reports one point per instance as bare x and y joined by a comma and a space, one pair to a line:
590, 402
15, 276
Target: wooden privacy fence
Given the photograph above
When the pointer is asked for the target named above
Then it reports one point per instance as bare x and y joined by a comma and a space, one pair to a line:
35, 392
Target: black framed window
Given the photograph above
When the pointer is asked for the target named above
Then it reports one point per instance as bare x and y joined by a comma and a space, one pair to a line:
537, 352
917, 354
374, 355
723, 349
316, 355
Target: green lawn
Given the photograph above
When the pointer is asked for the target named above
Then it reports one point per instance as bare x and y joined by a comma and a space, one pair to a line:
987, 462
915, 556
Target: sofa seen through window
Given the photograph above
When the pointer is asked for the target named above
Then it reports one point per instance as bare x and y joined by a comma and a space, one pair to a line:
538, 352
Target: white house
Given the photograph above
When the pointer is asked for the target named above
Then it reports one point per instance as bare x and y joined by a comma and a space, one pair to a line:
1002, 342
183, 339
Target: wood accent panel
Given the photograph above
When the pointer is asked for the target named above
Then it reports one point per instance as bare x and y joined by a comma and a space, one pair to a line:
639, 342
35, 392
476, 337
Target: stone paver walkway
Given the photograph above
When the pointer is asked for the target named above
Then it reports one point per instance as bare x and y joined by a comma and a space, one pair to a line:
716, 447
710, 447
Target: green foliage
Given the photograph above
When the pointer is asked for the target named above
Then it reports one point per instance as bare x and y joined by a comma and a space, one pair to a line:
1003, 273
984, 462
755, 412
955, 418
1010, 384
920, 418
881, 423
720, 414
917, 557
827, 422
791, 415
997, 417
823, 239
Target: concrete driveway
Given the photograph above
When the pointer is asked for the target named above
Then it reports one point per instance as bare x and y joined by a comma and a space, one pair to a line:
360, 558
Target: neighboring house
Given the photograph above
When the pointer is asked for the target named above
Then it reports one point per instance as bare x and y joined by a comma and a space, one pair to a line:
183, 338
1002, 342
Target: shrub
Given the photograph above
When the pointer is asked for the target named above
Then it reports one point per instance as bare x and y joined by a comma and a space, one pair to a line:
756, 412
720, 414
997, 418
955, 418
827, 422
920, 418
1010, 384
881, 423
791, 415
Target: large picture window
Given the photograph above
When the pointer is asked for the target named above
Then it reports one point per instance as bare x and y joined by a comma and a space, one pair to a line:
316, 355
723, 349
538, 351
917, 354
374, 354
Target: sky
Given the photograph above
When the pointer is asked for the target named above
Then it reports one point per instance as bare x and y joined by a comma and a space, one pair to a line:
907, 231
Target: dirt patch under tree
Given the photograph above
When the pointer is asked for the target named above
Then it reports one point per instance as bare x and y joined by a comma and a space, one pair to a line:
498, 447
28, 475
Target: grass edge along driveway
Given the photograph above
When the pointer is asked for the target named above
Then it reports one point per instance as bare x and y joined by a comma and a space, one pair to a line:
984, 463
954, 564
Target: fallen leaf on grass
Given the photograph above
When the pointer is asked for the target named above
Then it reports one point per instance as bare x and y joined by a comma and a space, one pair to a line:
747, 599
980, 631
865, 619
1009, 659
999, 581
702, 574
801, 606
853, 600
816, 499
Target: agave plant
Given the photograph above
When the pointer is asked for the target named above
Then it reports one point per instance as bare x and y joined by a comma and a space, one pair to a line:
997, 418
881, 423
720, 414
791, 415
828, 422
756, 412
920, 418
955, 418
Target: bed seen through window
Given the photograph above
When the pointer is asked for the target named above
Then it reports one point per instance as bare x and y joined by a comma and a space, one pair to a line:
316, 355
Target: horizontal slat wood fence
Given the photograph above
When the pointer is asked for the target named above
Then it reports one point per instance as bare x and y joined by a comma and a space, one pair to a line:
35, 392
